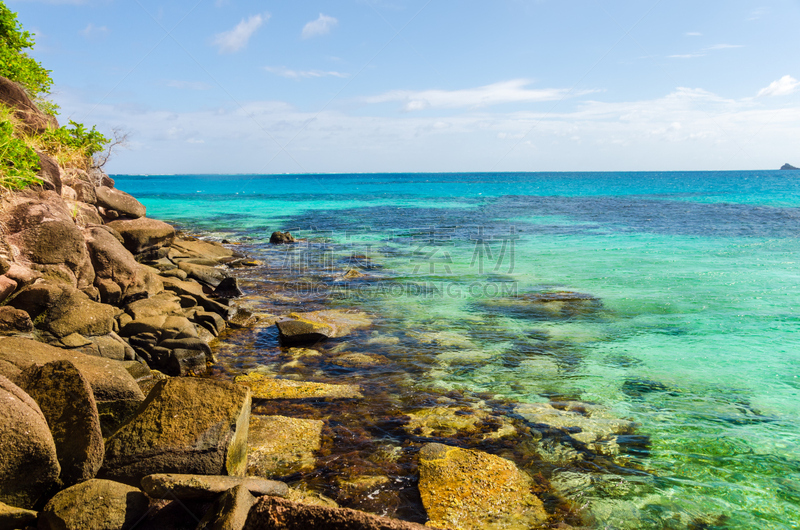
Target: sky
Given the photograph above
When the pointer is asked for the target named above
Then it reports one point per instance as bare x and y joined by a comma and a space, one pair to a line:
238, 86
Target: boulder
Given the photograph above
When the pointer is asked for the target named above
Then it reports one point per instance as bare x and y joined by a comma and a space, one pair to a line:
29, 465
548, 305
264, 387
466, 489
67, 402
14, 321
280, 446
210, 276
300, 328
24, 276
182, 363
206, 487
34, 121
143, 234
161, 304
53, 243
185, 425
228, 288
85, 192
281, 238
229, 511
269, 513
109, 379
12, 517
30, 208
49, 172
121, 202
95, 505
200, 249
74, 312
112, 262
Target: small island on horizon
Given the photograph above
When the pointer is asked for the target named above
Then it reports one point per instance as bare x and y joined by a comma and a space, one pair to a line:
788, 166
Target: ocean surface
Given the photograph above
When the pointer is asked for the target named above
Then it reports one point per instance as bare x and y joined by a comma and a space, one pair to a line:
691, 329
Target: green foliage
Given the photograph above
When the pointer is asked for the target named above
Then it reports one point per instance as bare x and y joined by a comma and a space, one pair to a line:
19, 164
15, 63
76, 137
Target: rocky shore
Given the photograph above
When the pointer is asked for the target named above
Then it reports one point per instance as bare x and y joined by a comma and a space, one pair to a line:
109, 324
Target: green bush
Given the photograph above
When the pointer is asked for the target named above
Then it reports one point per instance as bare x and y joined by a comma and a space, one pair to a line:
76, 136
15, 63
19, 164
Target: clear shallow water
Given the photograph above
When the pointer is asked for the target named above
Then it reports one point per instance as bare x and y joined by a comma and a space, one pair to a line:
697, 339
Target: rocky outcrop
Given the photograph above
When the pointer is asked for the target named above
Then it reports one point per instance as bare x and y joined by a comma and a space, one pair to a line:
29, 465
143, 234
119, 201
95, 505
194, 426
67, 402
34, 120
270, 513
207, 487
789, 167
464, 489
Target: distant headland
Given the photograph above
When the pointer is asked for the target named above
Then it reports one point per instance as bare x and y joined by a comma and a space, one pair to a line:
789, 166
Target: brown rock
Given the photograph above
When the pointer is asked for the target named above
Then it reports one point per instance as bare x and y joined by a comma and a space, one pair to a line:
280, 446
265, 387
270, 513
49, 172
7, 287
185, 425
314, 326
34, 120
12, 517
206, 487
281, 238
110, 259
125, 204
229, 511
14, 321
95, 505
466, 489
67, 402
201, 249
29, 464
109, 379
143, 234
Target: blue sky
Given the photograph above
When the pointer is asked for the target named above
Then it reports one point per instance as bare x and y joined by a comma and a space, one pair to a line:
235, 86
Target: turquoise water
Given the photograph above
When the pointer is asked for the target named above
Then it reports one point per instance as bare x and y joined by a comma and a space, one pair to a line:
697, 339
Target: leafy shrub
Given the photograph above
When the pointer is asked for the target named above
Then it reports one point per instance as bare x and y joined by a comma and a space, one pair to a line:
15, 63
19, 164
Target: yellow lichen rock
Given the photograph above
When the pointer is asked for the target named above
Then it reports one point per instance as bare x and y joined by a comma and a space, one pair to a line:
463, 489
264, 387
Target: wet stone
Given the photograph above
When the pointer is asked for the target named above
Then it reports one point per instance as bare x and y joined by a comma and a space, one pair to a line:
264, 387
280, 445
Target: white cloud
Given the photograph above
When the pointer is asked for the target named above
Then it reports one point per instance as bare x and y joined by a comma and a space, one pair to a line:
237, 38
782, 87
91, 31
322, 26
188, 85
513, 91
724, 46
694, 34
302, 74
687, 56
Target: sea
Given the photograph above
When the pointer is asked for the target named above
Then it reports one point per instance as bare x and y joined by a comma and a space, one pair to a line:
667, 299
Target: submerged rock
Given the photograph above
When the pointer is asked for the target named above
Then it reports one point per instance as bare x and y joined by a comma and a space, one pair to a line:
95, 505
206, 487
562, 305
185, 426
465, 490
270, 513
281, 446
265, 387
299, 328
281, 238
